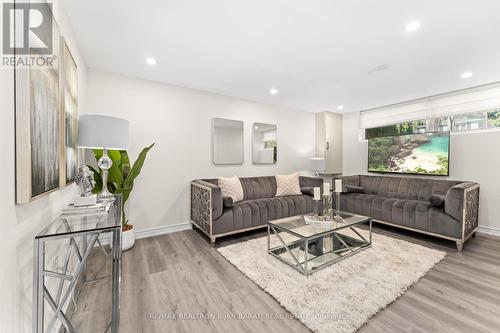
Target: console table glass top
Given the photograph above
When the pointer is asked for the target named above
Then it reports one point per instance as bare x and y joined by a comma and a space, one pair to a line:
77, 221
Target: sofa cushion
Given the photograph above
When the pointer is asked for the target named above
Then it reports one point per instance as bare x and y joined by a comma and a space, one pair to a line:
251, 213
415, 214
288, 184
231, 187
353, 189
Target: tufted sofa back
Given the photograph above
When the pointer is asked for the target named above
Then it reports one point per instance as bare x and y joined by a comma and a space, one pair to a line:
405, 187
255, 187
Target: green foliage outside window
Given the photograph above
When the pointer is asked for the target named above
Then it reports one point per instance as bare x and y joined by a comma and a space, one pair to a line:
272, 144
409, 127
494, 118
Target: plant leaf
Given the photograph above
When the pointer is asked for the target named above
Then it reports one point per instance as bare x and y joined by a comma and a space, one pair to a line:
125, 165
136, 168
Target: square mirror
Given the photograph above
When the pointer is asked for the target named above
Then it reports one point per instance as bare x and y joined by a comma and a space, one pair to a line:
265, 143
227, 141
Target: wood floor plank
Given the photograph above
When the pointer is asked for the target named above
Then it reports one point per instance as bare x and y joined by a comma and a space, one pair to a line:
182, 274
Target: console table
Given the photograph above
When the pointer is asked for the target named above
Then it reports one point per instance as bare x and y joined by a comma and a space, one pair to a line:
72, 236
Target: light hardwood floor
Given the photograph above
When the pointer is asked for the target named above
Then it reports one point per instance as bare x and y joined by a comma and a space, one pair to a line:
182, 273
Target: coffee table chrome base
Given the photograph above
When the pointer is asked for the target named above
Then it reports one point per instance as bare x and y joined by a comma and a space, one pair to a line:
345, 246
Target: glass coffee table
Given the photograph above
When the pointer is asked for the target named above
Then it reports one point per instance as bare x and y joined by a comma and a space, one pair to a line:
326, 244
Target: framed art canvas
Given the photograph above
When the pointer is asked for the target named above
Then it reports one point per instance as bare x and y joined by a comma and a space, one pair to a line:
70, 112
46, 122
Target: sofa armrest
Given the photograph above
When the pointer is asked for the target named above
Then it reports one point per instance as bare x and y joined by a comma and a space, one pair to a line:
350, 180
462, 203
206, 204
309, 182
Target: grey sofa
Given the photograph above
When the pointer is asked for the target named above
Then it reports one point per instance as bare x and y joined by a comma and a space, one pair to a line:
405, 202
217, 216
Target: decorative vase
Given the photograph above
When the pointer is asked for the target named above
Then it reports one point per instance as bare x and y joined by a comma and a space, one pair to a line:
128, 238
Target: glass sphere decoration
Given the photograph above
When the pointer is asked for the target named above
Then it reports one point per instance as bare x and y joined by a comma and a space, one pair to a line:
104, 162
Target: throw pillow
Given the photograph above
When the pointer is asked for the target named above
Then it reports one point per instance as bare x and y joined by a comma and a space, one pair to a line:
287, 185
354, 189
437, 200
307, 190
227, 202
231, 187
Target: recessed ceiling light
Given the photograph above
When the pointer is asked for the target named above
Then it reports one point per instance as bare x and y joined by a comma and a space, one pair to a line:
466, 75
273, 91
340, 107
150, 61
256, 127
413, 26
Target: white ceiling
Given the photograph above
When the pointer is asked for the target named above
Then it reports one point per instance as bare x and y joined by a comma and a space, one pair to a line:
317, 53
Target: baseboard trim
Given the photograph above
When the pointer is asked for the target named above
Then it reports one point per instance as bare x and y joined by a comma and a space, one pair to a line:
146, 233
168, 229
489, 231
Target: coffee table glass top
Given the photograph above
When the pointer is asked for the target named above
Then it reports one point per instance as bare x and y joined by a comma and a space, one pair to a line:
310, 247
297, 226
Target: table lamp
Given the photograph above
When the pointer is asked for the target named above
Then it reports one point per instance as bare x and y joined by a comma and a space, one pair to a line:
317, 165
103, 132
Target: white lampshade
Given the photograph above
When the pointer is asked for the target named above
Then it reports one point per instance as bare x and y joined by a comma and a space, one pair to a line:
317, 164
96, 131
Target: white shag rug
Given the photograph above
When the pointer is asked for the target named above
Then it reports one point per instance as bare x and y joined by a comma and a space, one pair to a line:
343, 296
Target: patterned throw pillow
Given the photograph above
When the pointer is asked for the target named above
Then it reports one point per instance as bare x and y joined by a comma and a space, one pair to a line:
287, 185
231, 187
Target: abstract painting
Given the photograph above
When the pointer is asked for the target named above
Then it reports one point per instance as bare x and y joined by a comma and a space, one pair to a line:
44, 129
46, 123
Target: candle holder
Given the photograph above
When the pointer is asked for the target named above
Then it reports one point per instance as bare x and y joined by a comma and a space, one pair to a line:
327, 203
337, 216
317, 210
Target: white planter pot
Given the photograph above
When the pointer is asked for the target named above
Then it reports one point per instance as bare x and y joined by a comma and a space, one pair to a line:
128, 239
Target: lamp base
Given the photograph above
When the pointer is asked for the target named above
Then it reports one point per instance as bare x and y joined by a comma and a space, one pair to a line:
105, 164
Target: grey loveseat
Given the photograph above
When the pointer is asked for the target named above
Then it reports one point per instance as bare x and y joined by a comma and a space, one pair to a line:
406, 203
217, 216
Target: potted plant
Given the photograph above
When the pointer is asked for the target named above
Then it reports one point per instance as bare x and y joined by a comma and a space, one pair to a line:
121, 180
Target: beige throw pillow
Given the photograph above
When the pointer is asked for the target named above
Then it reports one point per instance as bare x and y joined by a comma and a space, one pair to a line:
231, 187
287, 184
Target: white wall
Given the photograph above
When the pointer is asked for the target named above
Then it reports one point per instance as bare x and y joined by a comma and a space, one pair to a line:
179, 121
473, 157
19, 223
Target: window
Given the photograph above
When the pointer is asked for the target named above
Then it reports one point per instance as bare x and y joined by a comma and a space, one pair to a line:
272, 144
459, 123
441, 124
468, 121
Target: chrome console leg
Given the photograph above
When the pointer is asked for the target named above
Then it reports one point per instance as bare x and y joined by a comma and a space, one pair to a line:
116, 279
38, 285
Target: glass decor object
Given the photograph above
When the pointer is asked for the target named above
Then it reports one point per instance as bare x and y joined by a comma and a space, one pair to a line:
264, 143
103, 132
